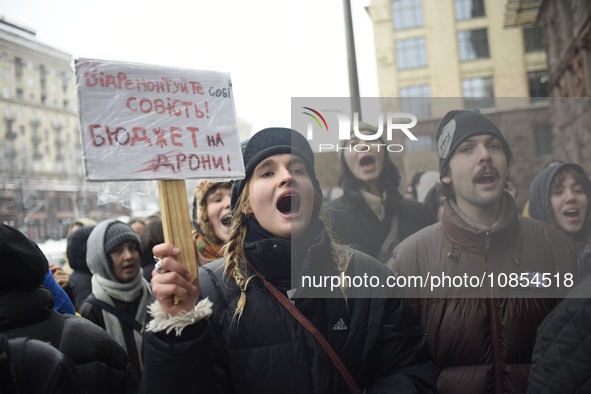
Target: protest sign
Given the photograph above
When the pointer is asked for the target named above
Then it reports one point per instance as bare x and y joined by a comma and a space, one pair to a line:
143, 121
150, 122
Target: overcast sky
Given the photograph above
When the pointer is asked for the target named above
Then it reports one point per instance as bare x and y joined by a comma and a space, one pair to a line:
273, 49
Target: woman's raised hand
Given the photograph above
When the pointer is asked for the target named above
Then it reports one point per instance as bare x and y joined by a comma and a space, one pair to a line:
174, 280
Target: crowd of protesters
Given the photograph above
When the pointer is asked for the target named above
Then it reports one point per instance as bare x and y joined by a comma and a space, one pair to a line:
245, 325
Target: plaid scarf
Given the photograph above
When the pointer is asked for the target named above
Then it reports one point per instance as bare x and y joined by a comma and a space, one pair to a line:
207, 249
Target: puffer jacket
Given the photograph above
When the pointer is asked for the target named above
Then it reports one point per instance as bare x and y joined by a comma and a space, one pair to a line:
560, 361
355, 224
101, 363
482, 340
267, 350
29, 366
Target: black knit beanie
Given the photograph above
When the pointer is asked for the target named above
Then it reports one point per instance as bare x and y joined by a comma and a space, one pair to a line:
458, 125
118, 233
269, 142
23, 264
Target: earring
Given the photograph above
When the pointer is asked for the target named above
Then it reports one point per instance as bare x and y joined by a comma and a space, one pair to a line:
246, 215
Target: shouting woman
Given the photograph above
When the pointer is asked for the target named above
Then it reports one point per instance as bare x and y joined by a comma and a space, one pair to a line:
371, 215
561, 195
257, 327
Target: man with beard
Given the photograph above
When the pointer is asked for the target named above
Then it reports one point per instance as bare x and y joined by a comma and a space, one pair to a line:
481, 331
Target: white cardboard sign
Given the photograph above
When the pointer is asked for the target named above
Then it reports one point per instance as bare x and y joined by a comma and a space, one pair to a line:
142, 121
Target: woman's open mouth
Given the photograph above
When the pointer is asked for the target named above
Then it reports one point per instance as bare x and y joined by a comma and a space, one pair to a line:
289, 204
572, 214
367, 163
227, 220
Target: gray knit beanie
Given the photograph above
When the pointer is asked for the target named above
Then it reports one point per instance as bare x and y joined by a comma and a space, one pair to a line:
118, 233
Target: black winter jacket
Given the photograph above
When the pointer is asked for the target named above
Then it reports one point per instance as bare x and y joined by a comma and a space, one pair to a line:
29, 366
356, 225
101, 362
268, 351
560, 360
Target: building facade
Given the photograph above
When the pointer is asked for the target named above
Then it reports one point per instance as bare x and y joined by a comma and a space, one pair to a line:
42, 183
455, 48
567, 28
461, 52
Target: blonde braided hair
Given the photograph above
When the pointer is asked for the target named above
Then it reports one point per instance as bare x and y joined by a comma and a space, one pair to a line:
233, 250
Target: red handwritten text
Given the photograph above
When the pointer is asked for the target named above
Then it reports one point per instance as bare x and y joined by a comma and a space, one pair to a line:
163, 85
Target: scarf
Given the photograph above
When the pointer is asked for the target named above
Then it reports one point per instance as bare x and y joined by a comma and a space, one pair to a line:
104, 289
207, 249
256, 232
298, 247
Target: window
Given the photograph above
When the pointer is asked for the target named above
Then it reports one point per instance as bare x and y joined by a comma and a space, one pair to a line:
478, 92
416, 99
538, 86
543, 139
533, 39
467, 9
67, 204
31, 81
406, 14
29, 65
411, 53
5, 74
5, 92
19, 93
423, 143
22, 130
473, 44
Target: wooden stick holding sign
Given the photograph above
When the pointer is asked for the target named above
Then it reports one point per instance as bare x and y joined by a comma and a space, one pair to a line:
176, 224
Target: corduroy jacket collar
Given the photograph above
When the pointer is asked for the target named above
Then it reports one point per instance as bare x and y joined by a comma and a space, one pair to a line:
501, 236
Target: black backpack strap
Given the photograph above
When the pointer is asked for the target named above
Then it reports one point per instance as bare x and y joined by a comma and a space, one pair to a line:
131, 322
